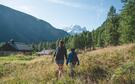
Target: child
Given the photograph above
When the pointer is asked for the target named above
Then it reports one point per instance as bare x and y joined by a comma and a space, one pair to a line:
72, 59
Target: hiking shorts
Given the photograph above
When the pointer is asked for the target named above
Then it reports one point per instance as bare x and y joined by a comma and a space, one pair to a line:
59, 61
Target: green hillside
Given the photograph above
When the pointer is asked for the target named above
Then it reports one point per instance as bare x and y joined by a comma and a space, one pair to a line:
112, 65
25, 28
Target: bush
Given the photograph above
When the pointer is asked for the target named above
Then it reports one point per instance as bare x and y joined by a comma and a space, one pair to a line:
124, 74
96, 73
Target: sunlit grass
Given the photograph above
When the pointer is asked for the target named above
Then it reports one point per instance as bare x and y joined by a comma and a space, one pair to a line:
15, 59
113, 65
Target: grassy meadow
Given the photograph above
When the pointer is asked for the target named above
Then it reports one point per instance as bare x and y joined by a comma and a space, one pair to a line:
112, 65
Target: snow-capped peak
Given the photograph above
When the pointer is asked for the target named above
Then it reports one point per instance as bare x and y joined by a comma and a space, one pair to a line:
75, 29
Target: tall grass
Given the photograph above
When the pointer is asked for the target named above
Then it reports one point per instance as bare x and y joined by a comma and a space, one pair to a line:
113, 65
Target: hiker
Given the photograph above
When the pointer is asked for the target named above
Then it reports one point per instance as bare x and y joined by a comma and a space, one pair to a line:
59, 55
73, 60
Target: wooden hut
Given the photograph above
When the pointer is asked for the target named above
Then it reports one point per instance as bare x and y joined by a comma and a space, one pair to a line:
13, 47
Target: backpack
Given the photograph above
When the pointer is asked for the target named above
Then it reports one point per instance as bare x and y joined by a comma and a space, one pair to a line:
60, 51
74, 58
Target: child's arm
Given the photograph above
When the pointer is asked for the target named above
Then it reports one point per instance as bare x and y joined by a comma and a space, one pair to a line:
68, 59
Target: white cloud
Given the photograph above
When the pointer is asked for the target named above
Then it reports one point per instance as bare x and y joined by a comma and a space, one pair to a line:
69, 3
98, 7
25, 8
17, 5
100, 10
66, 3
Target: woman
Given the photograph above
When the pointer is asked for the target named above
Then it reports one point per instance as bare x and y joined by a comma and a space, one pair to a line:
59, 55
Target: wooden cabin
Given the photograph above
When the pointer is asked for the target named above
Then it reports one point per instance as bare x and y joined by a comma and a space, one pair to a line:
12, 47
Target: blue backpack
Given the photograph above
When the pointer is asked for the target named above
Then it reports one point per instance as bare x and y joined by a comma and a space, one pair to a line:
73, 58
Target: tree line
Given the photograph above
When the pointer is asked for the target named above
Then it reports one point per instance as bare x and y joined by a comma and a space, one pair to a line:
117, 29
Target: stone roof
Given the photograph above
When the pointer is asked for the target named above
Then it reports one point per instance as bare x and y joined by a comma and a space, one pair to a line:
20, 46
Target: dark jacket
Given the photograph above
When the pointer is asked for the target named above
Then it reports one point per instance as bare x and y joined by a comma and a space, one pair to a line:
72, 58
60, 53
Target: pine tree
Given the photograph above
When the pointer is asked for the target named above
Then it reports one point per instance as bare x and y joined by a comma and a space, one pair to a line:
74, 42
89, 40
93, 40
112, 25
100, 41
127, 22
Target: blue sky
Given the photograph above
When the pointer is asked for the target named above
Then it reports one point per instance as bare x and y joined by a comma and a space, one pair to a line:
64, 13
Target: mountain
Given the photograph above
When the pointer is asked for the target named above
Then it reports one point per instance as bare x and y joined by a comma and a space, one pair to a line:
25, 28
75, 29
